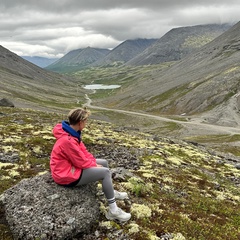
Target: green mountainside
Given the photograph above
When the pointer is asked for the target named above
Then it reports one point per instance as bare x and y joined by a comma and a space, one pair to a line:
77, 59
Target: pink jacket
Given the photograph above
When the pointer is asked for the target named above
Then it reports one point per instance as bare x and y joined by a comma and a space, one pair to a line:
68, 157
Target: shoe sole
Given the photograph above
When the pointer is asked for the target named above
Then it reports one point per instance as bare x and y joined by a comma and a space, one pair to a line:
113, 218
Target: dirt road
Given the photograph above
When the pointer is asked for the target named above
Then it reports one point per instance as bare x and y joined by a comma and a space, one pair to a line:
194, 126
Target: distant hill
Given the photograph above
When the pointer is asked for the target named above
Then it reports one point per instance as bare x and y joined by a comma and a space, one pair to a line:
124, 52
78, 59
205, 82
27, 85
177, 43
40, 61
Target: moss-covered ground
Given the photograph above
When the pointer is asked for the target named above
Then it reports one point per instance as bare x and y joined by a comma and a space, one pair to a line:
178, 189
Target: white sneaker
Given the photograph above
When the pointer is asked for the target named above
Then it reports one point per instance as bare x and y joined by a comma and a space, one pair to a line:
120, 195
120, 215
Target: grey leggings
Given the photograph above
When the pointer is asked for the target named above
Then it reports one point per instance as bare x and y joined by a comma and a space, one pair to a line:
94, 174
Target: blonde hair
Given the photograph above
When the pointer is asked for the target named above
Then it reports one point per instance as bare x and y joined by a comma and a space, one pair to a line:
77, 115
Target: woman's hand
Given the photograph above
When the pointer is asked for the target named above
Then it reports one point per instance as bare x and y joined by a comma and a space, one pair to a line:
98, 165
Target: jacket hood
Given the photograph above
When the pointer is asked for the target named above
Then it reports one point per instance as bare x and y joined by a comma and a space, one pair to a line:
63, 129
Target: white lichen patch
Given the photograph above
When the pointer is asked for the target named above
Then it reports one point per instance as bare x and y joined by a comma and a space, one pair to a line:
13, 173
167, 179
133, 181
220, 195
196, 155
7, 148
175, 160
10, 171
12, 139
159, 160
27, 126
37, 149
185, 217
48, 137
102, 208
230, 70
196, 177
209, 167
5, 177
191, 183
106, 224
42, 132
155, 208
178, 236
149, 175
133, 228
232, 170
233, 197
148, 164
2, 165
141, 211
136, 180
226, 195
167, 188
41, 173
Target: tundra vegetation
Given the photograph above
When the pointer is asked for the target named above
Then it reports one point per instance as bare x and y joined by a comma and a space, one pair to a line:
177, 189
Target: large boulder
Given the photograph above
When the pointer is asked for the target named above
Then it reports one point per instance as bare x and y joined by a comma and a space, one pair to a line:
38, 208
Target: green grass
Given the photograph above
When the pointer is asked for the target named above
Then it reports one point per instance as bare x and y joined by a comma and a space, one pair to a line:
221, 143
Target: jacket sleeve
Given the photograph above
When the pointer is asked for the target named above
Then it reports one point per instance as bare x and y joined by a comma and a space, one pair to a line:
78, 155
86, 152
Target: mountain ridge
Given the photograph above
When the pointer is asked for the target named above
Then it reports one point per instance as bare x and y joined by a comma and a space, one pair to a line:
177, 43
124, 52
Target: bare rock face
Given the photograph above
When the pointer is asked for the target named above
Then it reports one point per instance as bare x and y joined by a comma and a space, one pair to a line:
38, 208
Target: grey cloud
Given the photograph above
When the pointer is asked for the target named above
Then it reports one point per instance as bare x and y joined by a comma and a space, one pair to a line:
57, 26
79, 5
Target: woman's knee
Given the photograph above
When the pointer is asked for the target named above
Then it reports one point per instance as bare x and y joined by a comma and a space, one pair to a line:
102, 162
107, 172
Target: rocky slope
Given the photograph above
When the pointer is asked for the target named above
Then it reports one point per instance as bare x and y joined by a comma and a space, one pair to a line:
26, 84
178, 43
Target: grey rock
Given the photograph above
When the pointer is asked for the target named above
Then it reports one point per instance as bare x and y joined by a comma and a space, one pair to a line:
238, 166
6, 103
38, 208
9, 157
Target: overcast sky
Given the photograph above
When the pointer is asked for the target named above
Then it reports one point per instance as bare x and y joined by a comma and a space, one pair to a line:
52, 28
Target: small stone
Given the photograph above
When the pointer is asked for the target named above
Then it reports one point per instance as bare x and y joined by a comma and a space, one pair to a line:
238, 166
